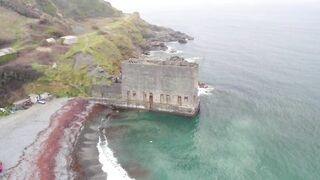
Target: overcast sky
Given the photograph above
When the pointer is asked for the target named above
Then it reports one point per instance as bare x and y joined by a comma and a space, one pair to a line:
131, 5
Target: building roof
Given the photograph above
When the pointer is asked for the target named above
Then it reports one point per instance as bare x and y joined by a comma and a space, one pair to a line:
172, 61
6, 51
69, 37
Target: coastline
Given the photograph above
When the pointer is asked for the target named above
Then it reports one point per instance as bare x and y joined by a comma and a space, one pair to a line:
54, 141
85, 155
92, 157
58, 133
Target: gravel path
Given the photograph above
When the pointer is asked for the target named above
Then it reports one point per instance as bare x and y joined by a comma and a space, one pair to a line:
19, 130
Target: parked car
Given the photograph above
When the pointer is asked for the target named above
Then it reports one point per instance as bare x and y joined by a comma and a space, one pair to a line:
41, 101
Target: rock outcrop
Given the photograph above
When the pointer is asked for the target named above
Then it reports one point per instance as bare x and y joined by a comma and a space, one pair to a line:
22, 8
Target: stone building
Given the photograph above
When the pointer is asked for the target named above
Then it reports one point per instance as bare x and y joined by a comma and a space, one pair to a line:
169, 85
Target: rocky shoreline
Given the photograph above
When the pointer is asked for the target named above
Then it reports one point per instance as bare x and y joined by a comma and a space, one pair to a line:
85, 155
66, 145
162, 35
67, 148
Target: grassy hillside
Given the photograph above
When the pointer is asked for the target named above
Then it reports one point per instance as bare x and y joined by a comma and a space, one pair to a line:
76, 9
13, 26
79, 9
106, 37
103, 49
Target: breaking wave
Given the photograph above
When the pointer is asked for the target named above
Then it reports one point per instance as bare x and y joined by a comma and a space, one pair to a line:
171, 50
205, 91
193, 59
110, 163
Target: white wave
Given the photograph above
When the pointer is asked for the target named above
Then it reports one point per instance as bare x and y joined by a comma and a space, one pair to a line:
193, 59
205, 91
110, 163
171, 50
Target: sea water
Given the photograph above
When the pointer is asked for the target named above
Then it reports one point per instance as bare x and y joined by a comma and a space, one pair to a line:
261, 118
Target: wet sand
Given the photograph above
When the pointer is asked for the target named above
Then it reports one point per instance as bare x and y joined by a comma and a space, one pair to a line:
85, 153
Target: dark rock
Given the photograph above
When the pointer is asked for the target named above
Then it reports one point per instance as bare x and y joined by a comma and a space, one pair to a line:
44, 21
158, 36
182, 41
153, 45
176, 58
202, 85
146, 53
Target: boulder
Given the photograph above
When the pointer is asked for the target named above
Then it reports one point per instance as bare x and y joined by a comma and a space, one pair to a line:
51, 41
69, 40
182, 41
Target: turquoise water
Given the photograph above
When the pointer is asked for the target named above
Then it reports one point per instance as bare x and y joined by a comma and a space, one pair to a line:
262, 119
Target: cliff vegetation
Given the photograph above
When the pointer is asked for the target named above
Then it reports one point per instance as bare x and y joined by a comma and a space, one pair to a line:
106, 36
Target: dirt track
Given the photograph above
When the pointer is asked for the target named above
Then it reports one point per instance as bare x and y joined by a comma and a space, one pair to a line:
36, 142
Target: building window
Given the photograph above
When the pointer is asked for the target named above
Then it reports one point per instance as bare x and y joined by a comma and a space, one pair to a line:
186, 99
151, 99
167, 99
179, 101
161, 98
145, 96
134, 94
128, 95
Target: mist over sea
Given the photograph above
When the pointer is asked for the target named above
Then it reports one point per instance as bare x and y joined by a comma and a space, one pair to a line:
261, 121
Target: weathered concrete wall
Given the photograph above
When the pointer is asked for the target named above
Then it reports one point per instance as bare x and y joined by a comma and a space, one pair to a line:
169, 86
121, 103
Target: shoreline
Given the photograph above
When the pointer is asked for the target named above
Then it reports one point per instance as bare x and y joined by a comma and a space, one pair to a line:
92, 156
46, 154
85, 155
62, 145
65, 146
66, 143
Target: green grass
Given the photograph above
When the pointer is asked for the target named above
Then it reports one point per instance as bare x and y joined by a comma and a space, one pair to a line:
126, 27
6, 58
47, 6
13, 26
115, 40
79, 9
107, 50
104, 52
36, 66
7, 112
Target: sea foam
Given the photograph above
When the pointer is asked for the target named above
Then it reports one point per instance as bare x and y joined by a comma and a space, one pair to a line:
193, 59
171, 50
110, 163
205, 91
